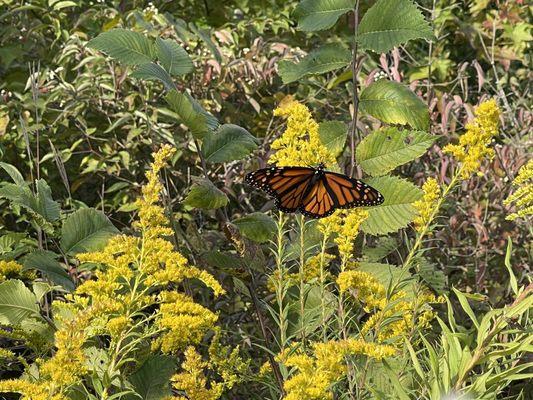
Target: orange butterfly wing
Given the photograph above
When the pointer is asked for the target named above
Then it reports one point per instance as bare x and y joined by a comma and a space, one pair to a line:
349, 192
287, 185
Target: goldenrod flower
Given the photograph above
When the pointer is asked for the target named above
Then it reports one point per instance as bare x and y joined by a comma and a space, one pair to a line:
523, 196
366, 288
426, 205
300, 144
473, 145
193, 381
345, 224
12, 269
29, 390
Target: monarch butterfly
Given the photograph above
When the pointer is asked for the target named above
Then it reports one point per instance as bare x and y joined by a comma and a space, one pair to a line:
314, 192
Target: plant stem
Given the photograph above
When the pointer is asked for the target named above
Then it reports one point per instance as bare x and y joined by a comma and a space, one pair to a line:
280, 281
353, 130
301, 276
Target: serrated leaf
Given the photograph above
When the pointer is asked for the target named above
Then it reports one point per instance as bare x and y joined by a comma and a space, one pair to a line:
154, 72
199, 121
152, 380
387, 148
316, 15
327, 58
229, 143
431, 276
394, 103
397, 210
128, 47
46, 205
333, 135
17, 303
45, 261
257, 226
86, 230
384, 246
204, 194
173, 57
386, 274
389, 23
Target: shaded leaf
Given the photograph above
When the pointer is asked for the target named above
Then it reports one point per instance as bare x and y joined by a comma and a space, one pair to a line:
256, 226
128, 47
46, 205
199, 121
218, 259
394, 103
389, 23
387, 148
229, 143
431, 275
152, 71
382, 249
312, 317
333, 135
152, 380
14, 173
86, 230
173, 57
397, 210
45, 261
327, 58
17, 303
204, 194
316, 15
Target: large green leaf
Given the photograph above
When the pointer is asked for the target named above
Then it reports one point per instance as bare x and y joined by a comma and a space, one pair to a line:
386, 274
327, 58
257, 226
46, 205
333, 135
394, 103
45, 261
14, 173
128, 47
17, 303
431, 275
41, 205
397, 210
204, 194
389, 23
86, 230
387, 148
229, 143
154, 72
152, 380
191, 114
173, 57
316, 15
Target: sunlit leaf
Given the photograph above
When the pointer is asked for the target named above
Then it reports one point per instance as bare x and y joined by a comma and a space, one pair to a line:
128, 47
17, 303
173, 57
333, 135
152, 71
389, 23
394, 103
316, 15
229, 143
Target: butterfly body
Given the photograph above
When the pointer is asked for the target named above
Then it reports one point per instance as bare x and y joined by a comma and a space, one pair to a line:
314, 192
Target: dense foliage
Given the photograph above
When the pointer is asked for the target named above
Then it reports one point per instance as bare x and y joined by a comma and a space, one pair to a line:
135, 262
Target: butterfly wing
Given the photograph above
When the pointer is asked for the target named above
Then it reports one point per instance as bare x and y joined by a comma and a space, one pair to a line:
318, 202
287, 185
348, 192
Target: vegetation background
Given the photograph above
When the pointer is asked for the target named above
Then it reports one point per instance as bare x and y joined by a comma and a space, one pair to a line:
210, 292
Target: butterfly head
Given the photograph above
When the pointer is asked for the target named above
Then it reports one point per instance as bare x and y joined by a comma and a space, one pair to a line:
321, 167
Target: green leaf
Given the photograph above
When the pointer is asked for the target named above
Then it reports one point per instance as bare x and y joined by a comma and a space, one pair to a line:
46, 206
222, 261
86, 230
152, 380
204, 194
316, 15
327, 58
433, 277
333, 135
394, 103
17, 303
311, 319
199, 121
386, 274
466, 306
173, 57
384, 246
45, 261
389, 23
14, 173
128, 47
154, 72
387, 148
229, 143
512, 277
397, 210
256, 226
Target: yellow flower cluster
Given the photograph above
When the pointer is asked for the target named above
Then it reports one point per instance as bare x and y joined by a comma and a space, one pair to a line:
473, 145
312, 269
183, 321
426, 205
29, 390
523, 196
12, 269
193, 380
345, 224
300, 143
316, 373
394, 317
